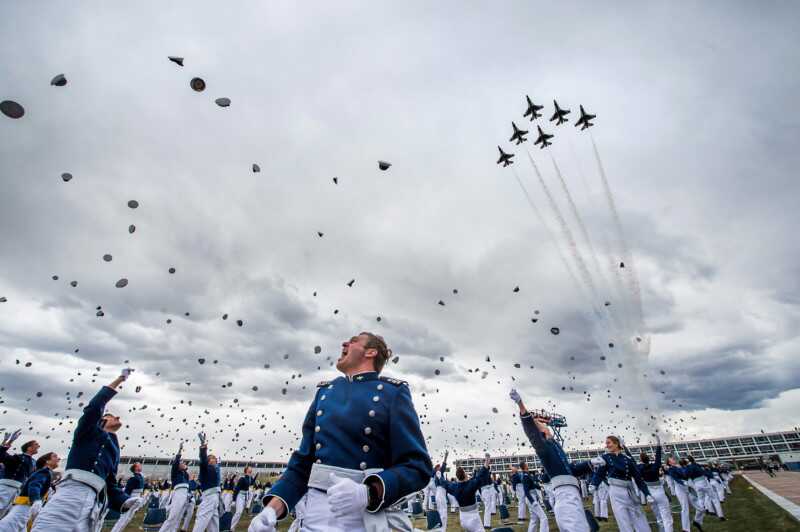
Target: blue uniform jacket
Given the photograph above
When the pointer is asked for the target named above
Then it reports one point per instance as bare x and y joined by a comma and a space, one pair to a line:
209, 474
620, 467
464, 492
95, 450
553, 458
529, 483
650, 472
363, 422
17, 466
516, 478
677, 474
178, 476
693, 471
37, 485
136, 482
243, 484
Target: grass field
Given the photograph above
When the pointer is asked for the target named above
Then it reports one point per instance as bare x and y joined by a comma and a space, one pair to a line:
747, 510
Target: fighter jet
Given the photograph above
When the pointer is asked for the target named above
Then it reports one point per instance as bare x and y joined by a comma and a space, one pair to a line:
533, 109
542, 140
559, 114
584, 120
505, 158
519, 134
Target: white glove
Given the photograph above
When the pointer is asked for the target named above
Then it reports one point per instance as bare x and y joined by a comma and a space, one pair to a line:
650, 499
36, 507
202, 437
346, 497
658, 440
264, 522
592, 488
597, 461
132, 502
125, 373
11, 438
514, 395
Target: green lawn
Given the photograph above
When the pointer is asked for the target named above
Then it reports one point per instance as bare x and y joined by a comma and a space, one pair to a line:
747, 510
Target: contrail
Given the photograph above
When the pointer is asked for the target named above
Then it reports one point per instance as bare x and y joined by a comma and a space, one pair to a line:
628, 258
542, 221
581, 265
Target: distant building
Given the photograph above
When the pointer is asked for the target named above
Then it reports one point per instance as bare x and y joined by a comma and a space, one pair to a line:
159, 468
744, 452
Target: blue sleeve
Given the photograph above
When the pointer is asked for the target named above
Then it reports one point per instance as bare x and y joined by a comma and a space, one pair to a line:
411, 465
93, 411
580, 468
174, 470
479, 480
658, 457
116, 497
637, 477
534, 436
36, 484
293, 484
599, 475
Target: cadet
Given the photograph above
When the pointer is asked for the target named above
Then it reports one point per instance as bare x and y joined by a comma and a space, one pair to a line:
180, 493
519, 491
650, 474
532, 488
621, 472
88, 485
240, 495
192, 502
29, 502
18, 467
706, 499
568, 507
464, 492
362, 449
208, 512
134, 487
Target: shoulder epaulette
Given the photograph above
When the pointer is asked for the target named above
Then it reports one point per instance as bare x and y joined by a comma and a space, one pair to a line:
323, 384
390, 380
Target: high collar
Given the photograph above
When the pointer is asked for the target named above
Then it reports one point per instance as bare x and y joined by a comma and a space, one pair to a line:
364, 376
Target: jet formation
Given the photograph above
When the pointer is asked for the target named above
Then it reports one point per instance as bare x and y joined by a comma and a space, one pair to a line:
543, 139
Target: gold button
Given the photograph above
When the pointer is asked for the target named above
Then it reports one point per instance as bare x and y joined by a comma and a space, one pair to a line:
360, 378
316, 429
330, 386
319, 461
367, 430
371, 413
362, 465
380, 386
319, 413
365, 448
322, 398
319, 446
375, 398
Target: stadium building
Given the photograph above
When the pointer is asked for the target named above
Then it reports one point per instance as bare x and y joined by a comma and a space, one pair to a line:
159, 468
741, 452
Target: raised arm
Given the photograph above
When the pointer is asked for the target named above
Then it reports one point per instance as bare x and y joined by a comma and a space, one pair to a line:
176, 462
658, 452
637, 477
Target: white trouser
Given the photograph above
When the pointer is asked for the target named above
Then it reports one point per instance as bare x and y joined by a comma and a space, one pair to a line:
177, 505
163, 499
241, 502
227, 498
687, 500
601, 501
719, 488
661, 507
207, 514
520, 492
627, 510
16, 520
441, 506
568, 507
7, 494
127, 517
487, 496
470, 521
69, 509
299, 514
706, 496
318, 516
190, 504
537, 515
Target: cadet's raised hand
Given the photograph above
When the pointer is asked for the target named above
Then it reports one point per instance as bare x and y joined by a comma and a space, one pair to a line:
125, 373
202, 437
514, 395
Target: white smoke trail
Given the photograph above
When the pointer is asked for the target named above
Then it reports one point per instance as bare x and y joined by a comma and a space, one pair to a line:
632, 276
573, 247
547, 229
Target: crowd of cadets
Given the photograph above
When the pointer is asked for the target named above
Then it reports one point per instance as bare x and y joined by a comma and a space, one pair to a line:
360, 467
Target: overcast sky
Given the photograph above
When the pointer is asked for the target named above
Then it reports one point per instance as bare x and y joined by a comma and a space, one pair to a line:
696, 128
